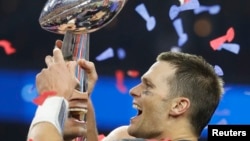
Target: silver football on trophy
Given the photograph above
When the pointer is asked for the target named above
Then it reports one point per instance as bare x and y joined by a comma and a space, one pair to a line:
78, 16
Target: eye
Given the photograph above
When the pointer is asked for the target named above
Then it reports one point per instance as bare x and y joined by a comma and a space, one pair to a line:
145, 92
146, 89
148, 86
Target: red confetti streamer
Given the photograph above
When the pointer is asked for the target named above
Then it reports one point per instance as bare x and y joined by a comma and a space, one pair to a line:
6, 45
133, 73
216, 43
119, 81
41, 98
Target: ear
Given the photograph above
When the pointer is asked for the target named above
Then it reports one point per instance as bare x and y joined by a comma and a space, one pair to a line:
179, 106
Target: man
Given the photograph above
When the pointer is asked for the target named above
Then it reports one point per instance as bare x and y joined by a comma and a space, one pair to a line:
175, 100
51, 116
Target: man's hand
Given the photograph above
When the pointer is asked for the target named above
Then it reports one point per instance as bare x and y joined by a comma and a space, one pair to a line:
59, 76
90, 70
91, 74
88, 67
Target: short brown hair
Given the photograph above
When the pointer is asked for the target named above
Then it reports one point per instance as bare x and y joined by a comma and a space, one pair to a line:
196, 80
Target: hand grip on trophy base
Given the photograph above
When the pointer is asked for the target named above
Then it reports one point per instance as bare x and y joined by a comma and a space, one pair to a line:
75, 47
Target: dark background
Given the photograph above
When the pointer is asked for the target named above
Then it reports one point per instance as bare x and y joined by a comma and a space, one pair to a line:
19, 25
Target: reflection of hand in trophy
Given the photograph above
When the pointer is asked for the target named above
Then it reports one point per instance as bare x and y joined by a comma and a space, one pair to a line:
76, 19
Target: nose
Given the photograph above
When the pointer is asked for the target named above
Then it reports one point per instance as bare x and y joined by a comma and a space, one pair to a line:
135, 91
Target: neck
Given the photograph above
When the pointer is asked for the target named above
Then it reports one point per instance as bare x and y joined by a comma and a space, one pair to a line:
179, 130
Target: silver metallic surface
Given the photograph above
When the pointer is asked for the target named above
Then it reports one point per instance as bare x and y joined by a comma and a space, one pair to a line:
78, 16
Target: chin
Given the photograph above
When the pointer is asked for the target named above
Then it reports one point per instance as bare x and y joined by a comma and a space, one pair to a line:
132, 131
70, 135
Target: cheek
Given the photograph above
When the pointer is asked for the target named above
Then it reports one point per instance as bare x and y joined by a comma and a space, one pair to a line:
160, 109
153, 108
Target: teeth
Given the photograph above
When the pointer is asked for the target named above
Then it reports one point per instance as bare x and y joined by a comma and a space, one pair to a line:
136, 107
78, 110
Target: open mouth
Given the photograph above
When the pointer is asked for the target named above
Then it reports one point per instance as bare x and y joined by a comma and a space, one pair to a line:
77, 113
139, 110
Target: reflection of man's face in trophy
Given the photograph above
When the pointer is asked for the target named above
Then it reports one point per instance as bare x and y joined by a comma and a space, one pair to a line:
68, 26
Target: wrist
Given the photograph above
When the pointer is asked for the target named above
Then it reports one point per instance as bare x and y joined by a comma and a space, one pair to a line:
53, 110
43, 96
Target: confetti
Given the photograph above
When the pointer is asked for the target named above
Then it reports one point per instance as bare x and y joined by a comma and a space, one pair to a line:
210, 9
121, 53
150, 20
175, 10
175, 49
218, 70
183, 37
216, 43
108, 53
133, 73
232, 47
119, 81
182, 2
6, 45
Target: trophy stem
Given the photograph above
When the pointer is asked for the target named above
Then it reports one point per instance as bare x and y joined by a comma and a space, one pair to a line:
75, 47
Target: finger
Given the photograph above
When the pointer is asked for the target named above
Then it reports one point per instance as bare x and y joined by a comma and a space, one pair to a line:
58, 44
80, 95
57, 55
90, 70
72, 67
49, 60
40, 80
88, 66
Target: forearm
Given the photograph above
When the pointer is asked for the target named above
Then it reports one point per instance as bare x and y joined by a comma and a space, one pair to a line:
92, 132
48, 122
44, 131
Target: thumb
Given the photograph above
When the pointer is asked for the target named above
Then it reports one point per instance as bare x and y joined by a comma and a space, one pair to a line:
90, 70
